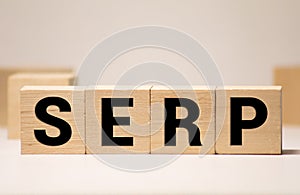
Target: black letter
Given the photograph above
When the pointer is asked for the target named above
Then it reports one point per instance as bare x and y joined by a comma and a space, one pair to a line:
108, 121
237, 124
63, 126
172, 123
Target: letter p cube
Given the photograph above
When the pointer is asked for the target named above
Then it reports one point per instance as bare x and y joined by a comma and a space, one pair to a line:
248, 120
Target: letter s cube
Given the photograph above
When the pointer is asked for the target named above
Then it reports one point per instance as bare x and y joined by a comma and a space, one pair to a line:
52, 120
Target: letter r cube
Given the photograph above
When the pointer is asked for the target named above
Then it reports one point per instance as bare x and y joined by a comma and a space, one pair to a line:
182, 120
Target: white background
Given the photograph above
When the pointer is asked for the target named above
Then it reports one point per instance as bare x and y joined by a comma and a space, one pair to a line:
190, 174
247, 39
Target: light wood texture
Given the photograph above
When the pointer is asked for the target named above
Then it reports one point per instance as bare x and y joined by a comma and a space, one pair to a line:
30, 96
139, 115
265, 139
289, 79
5, 72
205, 100
16, 82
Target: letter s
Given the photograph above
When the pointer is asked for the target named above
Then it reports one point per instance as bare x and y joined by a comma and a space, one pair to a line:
63, 126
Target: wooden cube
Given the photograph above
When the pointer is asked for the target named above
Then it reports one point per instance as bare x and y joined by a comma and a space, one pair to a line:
182, 120
16, 82
248, 120
52, 120
118, 120
5, 72
289, 79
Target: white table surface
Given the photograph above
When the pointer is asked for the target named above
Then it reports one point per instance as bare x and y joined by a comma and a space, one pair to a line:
212, 174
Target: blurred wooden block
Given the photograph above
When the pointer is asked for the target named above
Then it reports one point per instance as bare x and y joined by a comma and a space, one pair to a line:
39, 106
195, 133
289, 79
16, 82
248, 120
5, 72
118, 120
